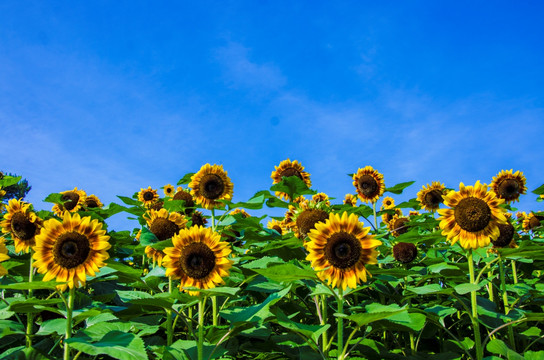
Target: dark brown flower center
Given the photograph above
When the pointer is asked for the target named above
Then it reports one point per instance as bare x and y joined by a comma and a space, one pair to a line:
148, 195
368, 186
472, 214
433, 199
185, 196
157, 205
291, 172
91, 203
71, 249
308, 218
163, 228
534, 221
197, 219
400, 226
70, 200
506, 235
21, 227
197, 260
277, 228
211, 186
343, 250
404, 252
508, 189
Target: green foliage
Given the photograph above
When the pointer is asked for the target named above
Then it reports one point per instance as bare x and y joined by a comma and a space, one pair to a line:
14, 186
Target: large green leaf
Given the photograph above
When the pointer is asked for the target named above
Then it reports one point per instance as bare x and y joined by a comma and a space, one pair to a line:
497, 346
35, 285
308, 331
185, 179
117, 344
292, 186
286, 272
254, 313
9, 180
429, 289
362, 319
397, 189
467, 287
539, 190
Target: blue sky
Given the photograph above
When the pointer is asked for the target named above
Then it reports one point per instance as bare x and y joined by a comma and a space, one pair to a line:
115, 96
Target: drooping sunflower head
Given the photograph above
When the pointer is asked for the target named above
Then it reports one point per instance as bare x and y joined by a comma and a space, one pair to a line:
398, 225
321, 198
506, 237
163, 224
472, 216
276, 225
72, 201
155, 255
210, 184
388, 203
289, 218
387, 217
198, 219
169, 190
306, 217
339, 249
92, 201
369, 184
509, 186
404, 252
70, 250
198, 258
431, 196
186, 197
532, 221
242, 212
3, 256
350, 199
148, 196
22, 224
287, 169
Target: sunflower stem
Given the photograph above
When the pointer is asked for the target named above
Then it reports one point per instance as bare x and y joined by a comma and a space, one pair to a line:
200, 344
30, 316
69, 310
190, 322
340, 323
505, 301
324, 317
213, 219
169, 328
375, 219
514, 272
214, 311
473, 301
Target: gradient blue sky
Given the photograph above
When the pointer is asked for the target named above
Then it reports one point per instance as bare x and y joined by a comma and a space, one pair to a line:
114, 96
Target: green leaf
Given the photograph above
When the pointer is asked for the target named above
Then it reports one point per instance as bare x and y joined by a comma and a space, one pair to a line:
254, 313
397, 189
55, 326
9, 180
117, 344
539, 190
429, 289
217, 291
308, 331
35, 285
286, 272
129, 201
147, 237
292, 186
185, 179
263, 262
366, 318
533, 355
462, 289
497, 346
437, 268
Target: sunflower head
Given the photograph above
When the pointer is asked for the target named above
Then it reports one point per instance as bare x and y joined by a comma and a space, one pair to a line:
321, 198
242, 212
185, 195
387, 217
388, 203
369, 184
276, 225
22, 223
404, 252
211, 184
72, 201
155, 255
307, 215
350, 199
169, 190
198, 219
198, 258
70, 250
286, 169
509, 186
532, 221
289, 218
163, 224
506, 237
92, 201
472, 216
398, 225
148, 196
431, 196
339, 249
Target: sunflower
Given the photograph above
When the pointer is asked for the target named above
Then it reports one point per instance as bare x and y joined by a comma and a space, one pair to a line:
340, 248
413, 213
198, 219
155, 255
532, 221
185, 195
286, 169
168, 190
92, 201
276, 225
350, 199
3, 256
148, 196
509, 186
72, 200
22, 223
431, 196
241, 212
472, 217
369, 184
210, 184
387, 218
398, 225
71, 249
289, 218
506, 237
306, 216
321, 197
404, 252
164, 224
199, 258
388, 203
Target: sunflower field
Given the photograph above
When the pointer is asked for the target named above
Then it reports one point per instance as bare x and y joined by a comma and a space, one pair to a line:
452, 273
